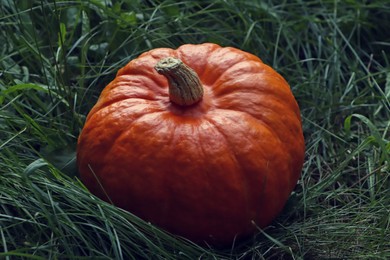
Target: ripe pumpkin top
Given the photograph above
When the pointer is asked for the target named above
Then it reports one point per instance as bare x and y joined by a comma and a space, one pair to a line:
202, 164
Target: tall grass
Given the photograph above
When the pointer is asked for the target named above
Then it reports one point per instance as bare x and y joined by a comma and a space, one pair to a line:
56, 57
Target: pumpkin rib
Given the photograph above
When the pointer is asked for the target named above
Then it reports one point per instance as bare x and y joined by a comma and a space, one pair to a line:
112, 99
243, 183
186, 54
125, 104
142, 81
194, 147
157, 54
151, 128
224, 73
252, 87
222, 59
109, 117
266, 100
233, 97
120, 145
143, 65
260, 121
232, 147
146, 77
224, 54
243, 68
268, 177
261, 109
129, 127
245, 55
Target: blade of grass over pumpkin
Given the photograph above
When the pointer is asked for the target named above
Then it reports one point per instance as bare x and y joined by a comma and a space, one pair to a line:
56, 57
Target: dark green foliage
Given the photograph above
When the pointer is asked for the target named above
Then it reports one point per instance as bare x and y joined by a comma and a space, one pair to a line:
56, 57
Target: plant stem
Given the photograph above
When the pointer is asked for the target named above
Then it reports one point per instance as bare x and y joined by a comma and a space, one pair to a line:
185, 88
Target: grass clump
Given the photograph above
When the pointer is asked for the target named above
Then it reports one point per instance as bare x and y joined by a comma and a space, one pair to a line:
56, 56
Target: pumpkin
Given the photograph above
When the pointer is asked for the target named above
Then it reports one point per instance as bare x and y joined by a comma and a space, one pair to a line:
203, 141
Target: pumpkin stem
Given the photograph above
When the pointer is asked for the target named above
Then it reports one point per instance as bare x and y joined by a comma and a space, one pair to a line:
185, 88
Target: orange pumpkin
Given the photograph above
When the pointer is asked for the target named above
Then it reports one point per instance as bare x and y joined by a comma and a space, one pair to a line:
202, 141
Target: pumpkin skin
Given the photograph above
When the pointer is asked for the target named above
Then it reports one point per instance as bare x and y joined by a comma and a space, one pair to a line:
206, 171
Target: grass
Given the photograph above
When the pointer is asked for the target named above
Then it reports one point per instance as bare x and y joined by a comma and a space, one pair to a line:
56, 57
